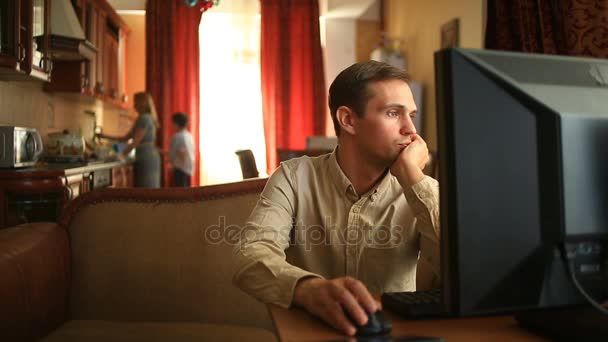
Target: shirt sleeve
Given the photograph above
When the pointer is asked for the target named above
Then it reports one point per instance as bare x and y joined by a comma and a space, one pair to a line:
259, 262
423, 198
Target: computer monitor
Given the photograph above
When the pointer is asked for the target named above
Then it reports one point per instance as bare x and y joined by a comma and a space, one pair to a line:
523, 142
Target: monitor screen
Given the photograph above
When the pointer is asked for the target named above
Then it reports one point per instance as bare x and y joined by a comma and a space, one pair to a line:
523, 179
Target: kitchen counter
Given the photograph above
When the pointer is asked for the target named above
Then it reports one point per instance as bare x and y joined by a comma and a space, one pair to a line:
40, 193
49, 170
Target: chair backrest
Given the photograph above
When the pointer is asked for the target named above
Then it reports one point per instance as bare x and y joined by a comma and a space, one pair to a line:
161, 254
248, 166
321, 143
286, 154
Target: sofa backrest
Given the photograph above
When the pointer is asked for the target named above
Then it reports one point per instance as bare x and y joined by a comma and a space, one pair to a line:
160, 255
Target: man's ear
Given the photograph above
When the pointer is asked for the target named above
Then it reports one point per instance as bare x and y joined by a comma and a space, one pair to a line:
346, 118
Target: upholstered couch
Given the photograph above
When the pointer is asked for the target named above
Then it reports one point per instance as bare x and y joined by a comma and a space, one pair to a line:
132, 265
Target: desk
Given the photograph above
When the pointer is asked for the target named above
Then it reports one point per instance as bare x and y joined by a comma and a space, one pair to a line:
297, 325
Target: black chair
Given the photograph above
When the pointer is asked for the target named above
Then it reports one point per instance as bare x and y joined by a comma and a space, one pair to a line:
248, 166
286, 154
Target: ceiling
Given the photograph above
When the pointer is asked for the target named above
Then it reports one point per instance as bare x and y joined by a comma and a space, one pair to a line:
128, 4
348, 8
329, 8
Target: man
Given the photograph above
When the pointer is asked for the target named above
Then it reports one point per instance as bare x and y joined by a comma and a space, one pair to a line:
181, 151
328, 231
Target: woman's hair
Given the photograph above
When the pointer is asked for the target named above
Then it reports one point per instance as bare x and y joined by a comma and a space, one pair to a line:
144, 101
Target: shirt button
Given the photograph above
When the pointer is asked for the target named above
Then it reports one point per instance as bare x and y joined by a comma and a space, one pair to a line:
355, 210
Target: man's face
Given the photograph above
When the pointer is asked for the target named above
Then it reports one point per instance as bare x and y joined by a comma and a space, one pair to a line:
386, 126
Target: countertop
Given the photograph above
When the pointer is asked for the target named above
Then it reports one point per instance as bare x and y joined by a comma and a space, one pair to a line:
49, 170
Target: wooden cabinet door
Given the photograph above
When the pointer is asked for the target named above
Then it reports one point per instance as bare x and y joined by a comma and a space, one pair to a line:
122, 176
111, 65
10, 49
36, 41
33, 38
86, 185
91, 28
24, 28
73, 186
118, 177
100, 59
130, 176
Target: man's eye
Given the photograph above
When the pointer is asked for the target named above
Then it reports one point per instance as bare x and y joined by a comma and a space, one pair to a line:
393, 113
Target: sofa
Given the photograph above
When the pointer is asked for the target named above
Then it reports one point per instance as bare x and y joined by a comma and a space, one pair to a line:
132, 265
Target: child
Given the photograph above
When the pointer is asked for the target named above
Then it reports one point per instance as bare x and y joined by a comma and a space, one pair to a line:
181, 151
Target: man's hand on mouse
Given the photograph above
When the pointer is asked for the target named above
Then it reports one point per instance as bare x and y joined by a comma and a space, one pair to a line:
328, 298
410, 162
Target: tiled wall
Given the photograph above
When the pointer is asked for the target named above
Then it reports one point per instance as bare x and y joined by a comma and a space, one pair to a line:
25, 104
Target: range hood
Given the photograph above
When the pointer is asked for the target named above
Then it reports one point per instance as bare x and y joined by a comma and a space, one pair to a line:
67, 41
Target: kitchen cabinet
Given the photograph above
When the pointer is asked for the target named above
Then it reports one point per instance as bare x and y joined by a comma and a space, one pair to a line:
110, 65
24, 31
122, 177
103, 75
40, 194
77, 184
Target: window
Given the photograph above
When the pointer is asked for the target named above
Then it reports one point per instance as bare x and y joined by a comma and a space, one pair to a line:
231, 97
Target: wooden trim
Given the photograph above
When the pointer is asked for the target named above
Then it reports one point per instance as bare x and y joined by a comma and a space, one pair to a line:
112, 15
36, 185
141, 195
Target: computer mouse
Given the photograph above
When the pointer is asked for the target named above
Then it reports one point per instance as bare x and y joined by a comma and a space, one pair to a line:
376, 324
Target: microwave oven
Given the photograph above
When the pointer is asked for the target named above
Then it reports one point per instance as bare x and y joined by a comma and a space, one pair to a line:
19, 146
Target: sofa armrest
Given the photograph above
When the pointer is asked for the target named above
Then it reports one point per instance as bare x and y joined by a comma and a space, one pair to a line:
35, 270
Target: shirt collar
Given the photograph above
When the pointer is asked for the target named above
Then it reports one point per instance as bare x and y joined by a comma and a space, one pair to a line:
343, 183
337, 175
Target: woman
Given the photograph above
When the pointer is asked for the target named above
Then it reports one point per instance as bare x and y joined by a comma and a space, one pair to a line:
143, 135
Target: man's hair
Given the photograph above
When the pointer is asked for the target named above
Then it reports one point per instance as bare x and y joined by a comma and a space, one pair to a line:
350, 88
180, 119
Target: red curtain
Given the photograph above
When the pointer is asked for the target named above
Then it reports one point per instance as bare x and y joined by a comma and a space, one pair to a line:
172, 70
293, 84
564, 27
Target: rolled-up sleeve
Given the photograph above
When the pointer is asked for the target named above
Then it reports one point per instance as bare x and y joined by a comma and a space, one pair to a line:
423, 198
259, 261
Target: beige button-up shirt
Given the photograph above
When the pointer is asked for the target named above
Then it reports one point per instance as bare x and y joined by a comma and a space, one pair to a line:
309, 221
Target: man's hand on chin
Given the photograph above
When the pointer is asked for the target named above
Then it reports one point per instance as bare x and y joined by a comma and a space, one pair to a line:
410, 162
328, 299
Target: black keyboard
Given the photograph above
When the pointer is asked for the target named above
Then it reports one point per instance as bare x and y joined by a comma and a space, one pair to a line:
419, 304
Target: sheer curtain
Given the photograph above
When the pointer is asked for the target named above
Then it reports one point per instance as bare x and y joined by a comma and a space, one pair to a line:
231, 99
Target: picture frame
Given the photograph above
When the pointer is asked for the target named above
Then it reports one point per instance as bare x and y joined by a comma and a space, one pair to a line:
450, 34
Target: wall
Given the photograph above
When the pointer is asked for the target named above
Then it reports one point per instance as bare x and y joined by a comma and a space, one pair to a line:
418, 23
351, 30
25, 104
136, 54
368, 38
339, 53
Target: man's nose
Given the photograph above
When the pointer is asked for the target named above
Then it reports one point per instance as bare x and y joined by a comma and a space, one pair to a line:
407, 126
